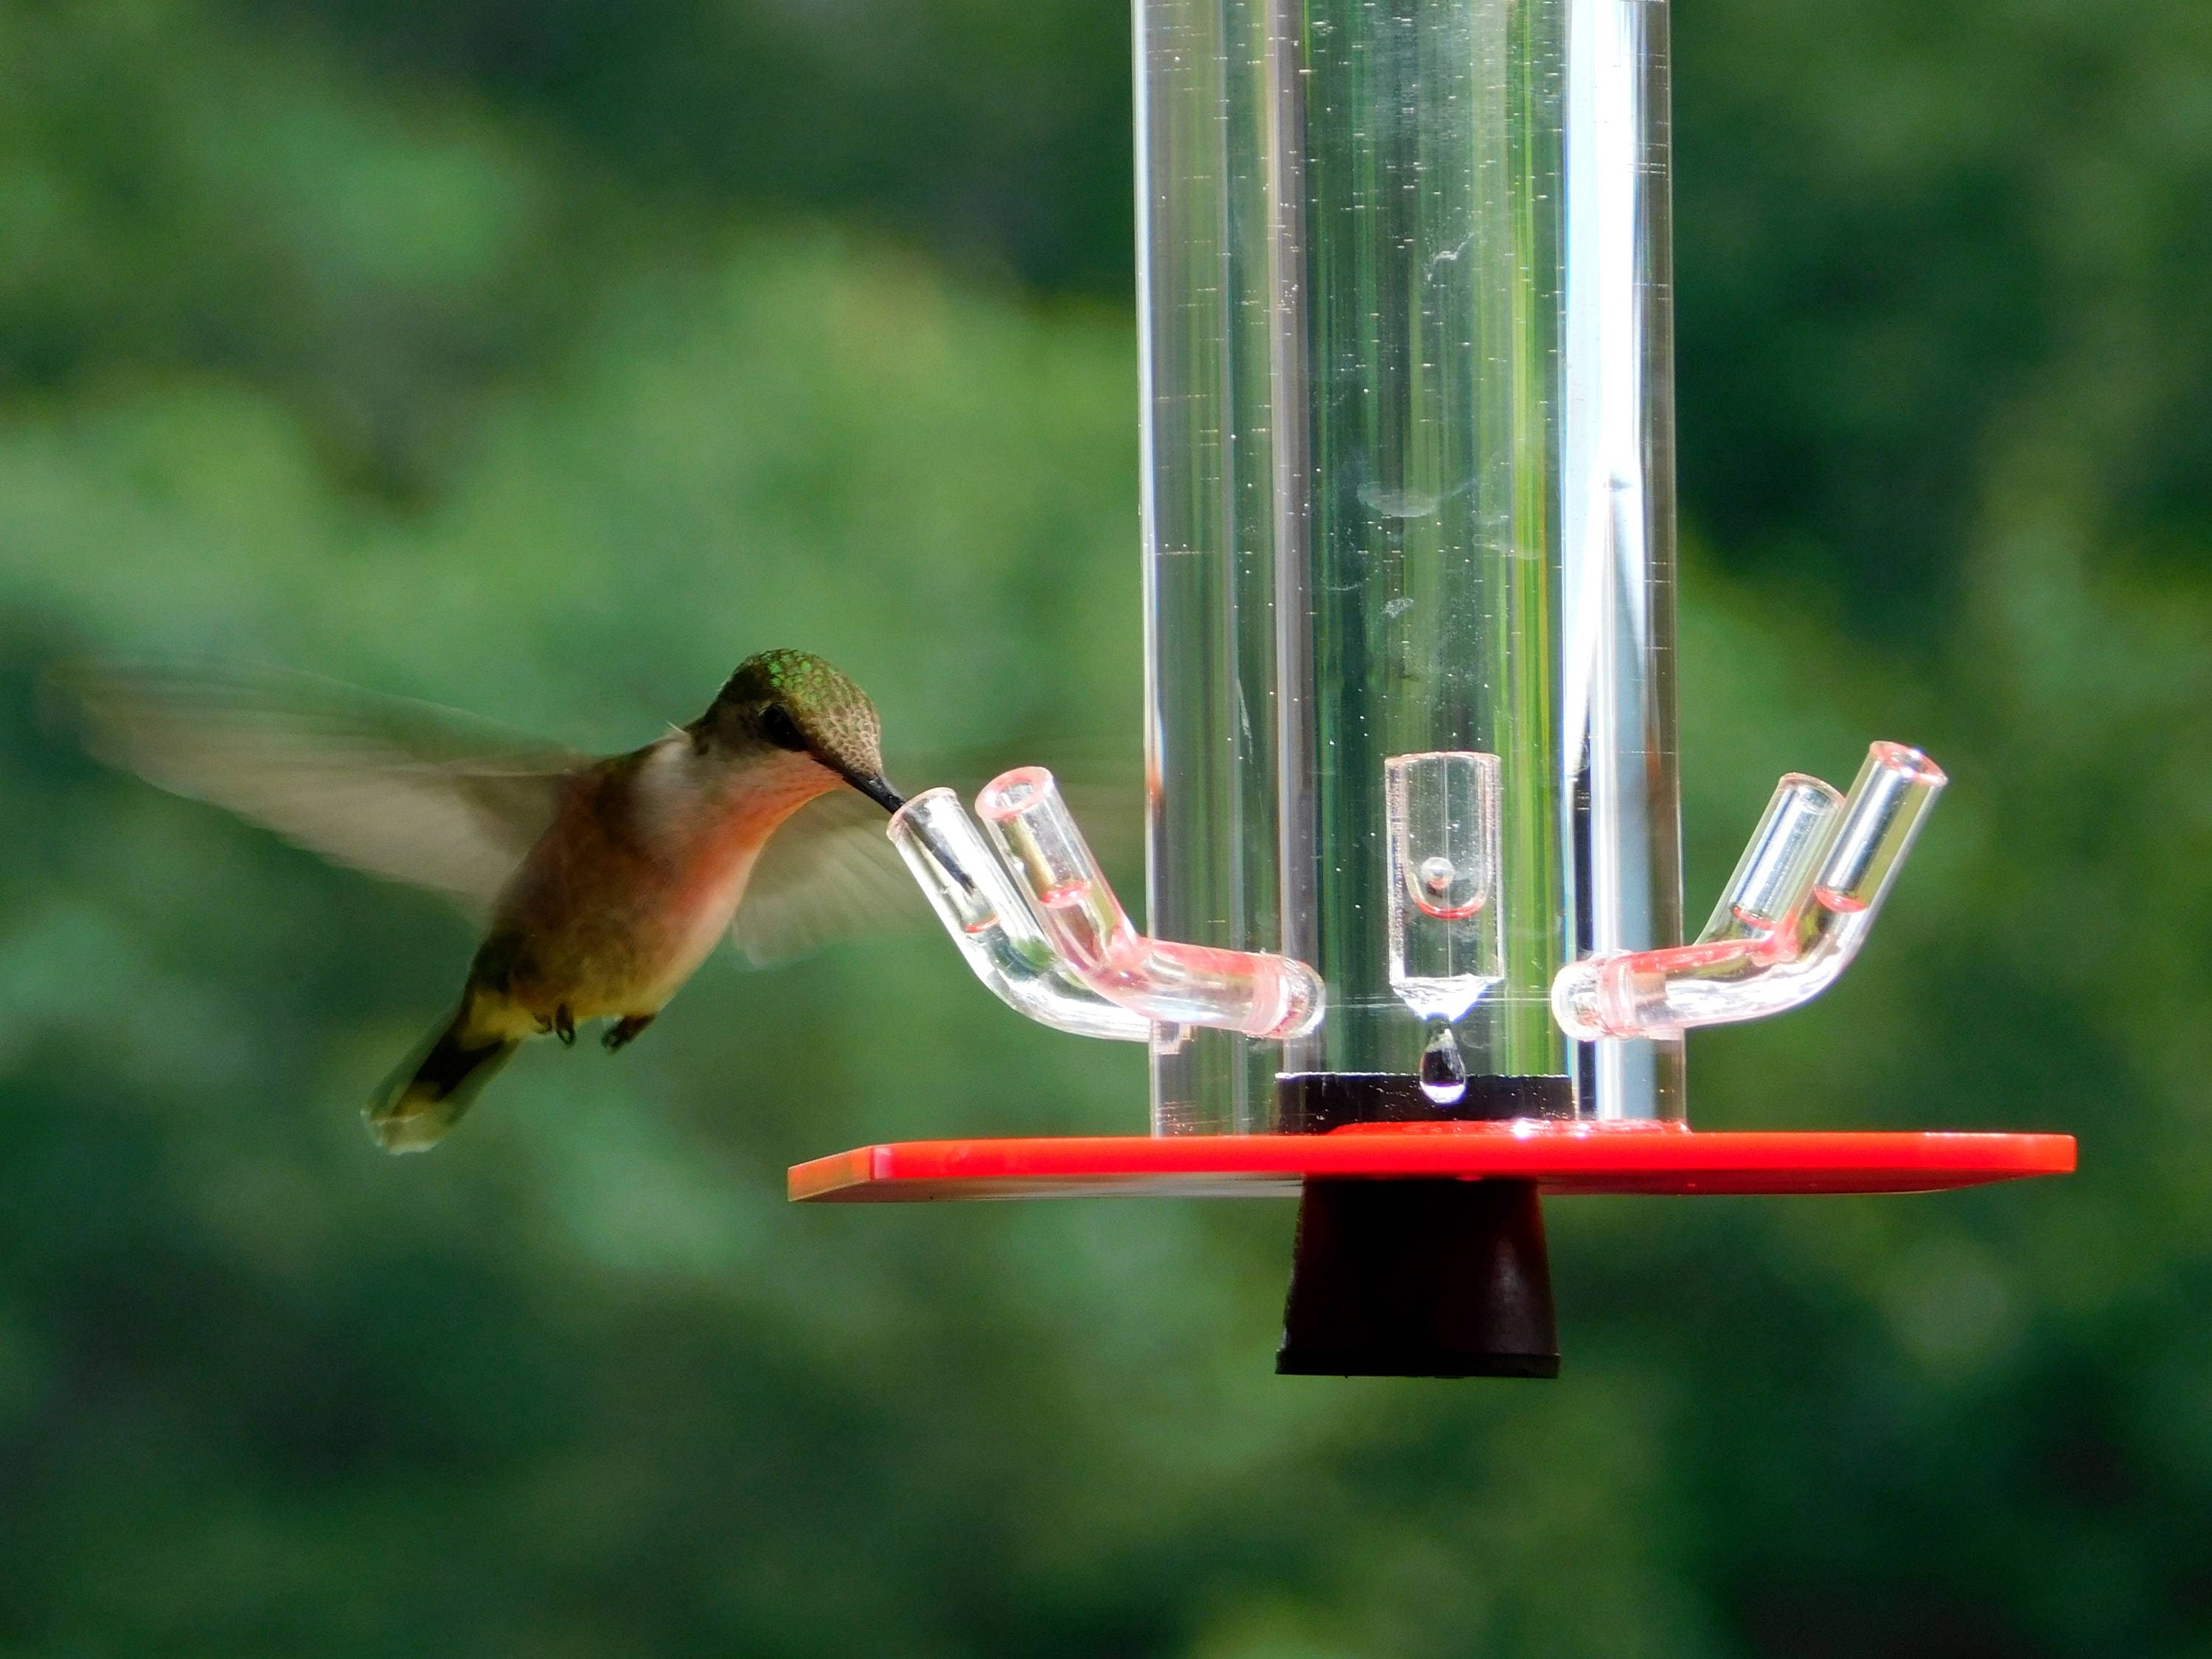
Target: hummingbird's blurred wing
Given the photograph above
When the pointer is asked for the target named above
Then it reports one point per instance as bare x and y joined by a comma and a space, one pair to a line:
828, 871
401, 789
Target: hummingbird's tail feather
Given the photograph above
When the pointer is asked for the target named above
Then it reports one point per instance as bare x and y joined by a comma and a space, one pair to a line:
434, 1086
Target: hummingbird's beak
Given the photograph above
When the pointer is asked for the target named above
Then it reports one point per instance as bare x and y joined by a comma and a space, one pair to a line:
877, 789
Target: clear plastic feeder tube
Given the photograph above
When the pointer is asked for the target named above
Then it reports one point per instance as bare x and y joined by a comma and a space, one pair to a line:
1447, 948
1775, 875
1408, 491
1735, 976
1255, 994
991, 922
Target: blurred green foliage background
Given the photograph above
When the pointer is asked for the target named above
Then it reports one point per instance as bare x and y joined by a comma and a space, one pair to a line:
546, 359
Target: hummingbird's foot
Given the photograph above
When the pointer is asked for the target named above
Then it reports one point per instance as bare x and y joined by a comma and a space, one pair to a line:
562, 1025
624, 1032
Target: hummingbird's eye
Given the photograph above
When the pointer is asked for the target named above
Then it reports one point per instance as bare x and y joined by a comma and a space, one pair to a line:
778, 728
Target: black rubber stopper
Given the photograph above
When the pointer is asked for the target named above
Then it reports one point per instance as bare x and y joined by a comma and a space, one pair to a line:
1415, 1277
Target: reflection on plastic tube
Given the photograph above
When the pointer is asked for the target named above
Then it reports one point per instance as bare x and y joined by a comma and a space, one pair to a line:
992, 923
1259, 994
1798, 907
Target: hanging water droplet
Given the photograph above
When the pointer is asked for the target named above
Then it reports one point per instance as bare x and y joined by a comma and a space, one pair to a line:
1444, 1073
1437, 874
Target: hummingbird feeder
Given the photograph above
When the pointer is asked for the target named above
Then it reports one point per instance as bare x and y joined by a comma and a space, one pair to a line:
1415, 887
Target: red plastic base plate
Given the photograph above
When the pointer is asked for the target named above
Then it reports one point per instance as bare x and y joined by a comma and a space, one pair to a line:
1563, 1158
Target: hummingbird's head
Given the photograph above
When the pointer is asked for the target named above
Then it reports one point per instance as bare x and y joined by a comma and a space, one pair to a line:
793, 700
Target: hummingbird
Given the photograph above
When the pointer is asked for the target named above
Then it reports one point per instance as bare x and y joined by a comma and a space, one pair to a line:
605, 881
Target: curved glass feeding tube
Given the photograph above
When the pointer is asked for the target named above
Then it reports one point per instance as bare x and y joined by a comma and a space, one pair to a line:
1800, 905
1776, 872
992, 923
1264, 996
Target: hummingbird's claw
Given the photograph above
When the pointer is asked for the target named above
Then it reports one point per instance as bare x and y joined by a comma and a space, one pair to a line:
624, 1031
562, 1025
